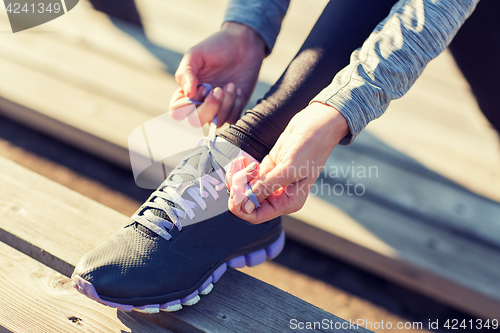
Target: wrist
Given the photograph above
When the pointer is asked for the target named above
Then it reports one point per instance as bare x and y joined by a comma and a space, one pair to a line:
246, 35
334, 123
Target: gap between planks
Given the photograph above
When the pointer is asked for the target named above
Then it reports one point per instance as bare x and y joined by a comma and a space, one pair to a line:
35, 298
66, 225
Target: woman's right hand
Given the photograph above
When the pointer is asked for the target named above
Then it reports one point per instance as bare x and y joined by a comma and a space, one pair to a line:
230, 62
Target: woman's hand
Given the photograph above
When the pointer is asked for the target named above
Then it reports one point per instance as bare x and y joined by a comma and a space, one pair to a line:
283, 180
229, 61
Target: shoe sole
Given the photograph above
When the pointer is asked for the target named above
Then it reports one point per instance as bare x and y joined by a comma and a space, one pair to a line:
252, 259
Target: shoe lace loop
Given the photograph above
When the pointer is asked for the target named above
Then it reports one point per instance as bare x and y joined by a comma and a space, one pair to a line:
165, 197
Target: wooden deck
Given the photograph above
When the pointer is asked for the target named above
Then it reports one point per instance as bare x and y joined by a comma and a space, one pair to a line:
45, 230
428, 219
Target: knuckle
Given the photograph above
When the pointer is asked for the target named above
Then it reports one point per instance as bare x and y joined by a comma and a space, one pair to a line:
263, 188
298, 205
294, 207
178, 75
229, 97
253, 221
212, 111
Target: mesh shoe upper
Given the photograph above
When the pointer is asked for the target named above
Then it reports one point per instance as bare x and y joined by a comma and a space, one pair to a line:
167, 251
134, 264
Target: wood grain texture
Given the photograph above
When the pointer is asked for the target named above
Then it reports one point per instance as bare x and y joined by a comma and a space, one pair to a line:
96, 80
57, 226
93, 81
437, 157
93, 73
439, 125
89, 83
399, 182
35, 298
438, 262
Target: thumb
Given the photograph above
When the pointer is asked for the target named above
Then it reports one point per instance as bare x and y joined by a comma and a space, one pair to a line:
275, 179
186, 75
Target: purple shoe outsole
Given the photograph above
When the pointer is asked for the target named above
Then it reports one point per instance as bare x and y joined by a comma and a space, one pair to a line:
255, 258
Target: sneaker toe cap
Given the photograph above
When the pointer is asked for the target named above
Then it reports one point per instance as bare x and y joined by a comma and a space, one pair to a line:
127, 265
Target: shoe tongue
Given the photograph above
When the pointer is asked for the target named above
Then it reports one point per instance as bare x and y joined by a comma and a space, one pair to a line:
194, 161
227, 149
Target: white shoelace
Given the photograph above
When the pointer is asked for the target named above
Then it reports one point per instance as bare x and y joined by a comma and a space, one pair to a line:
208, 186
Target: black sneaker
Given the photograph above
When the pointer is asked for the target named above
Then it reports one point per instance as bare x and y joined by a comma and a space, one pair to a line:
179, 242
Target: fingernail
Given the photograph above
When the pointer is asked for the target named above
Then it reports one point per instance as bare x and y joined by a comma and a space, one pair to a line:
203, 92
251, 167
185, 89
249, 207
239, 92
218, 93
230, 88
231, 167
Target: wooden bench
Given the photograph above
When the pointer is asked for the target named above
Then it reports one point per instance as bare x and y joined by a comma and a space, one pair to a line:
429, 220
56, 227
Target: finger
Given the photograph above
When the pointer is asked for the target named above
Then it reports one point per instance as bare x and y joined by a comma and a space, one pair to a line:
179, 108
269, 183
183, 106
179, 100
277, 204
186, 74
201, 93
267, 164
227, 104
251, 172
177, 97
245, 205
238, 105
241, 179
210, 107
236, 165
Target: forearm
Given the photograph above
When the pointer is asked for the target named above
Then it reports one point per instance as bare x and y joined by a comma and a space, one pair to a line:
263, 16
392, 58
246, 38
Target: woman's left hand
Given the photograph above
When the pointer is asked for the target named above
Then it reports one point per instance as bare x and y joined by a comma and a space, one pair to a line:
283, 180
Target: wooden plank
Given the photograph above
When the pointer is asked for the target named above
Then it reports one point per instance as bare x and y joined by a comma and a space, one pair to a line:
93, 122
35, 298
66, 133
57, 226
83, 93
92, 72
180, 25
437, 262
437, 123
75, 87
142, 87
86, 28
129, 72
437, 126
406, 185
59, 103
